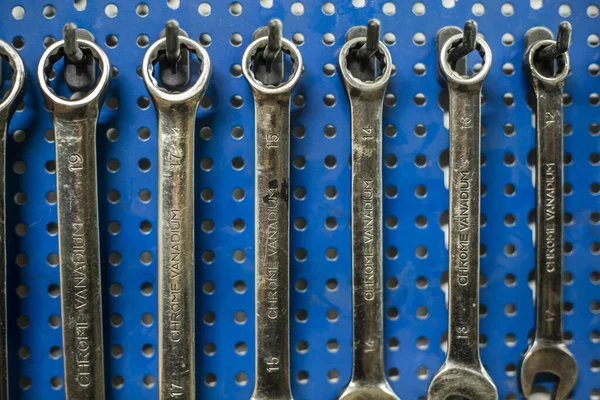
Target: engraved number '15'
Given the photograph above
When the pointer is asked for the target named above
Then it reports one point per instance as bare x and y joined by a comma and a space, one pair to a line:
272, 364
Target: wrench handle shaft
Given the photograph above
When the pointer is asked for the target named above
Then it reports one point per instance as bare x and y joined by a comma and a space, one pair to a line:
367, 237
549, 215
272, 144
79, 253
176, 349
4, 117
463, 243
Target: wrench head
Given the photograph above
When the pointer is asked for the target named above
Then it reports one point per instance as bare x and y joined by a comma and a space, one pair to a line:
466, 381
550, 358
357, 390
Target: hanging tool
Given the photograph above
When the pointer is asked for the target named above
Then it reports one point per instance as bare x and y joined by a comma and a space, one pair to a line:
262, 66
8, 105
462, 373
77, 192
365, 64
176, 113
546, 61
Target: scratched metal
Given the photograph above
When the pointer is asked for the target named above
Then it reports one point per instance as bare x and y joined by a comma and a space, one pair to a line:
320, 297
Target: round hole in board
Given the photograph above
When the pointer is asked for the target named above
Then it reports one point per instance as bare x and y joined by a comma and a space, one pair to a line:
418, 9
478, 9
328, 8
173, 4
111, 10
389, 8
80, 5
507, 9
419, 39
328, 39
536, 4
49, 12
389, 39
204, 9
142, 10
419, 69
508, 39
18, 12
205, 40
298, 39
297, 8
235, 9
564, 10
235, 39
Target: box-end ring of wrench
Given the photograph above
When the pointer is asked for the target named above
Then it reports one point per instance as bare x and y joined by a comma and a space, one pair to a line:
8, 105
462, 373
176, 113
78, 235
271, 231
548, 353
368, 380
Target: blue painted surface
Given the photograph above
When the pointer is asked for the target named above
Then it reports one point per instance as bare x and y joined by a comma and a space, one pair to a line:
131, 372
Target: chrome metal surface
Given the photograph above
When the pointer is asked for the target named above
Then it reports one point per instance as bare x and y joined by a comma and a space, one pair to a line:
176, 113
8, 105
271, 235
368, 380
79, 252
548, 353
462, 373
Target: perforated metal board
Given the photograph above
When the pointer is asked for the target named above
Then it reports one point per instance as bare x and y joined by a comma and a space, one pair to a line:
320, 297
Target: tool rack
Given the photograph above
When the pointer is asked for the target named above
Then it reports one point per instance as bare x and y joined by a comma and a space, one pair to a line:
414, 208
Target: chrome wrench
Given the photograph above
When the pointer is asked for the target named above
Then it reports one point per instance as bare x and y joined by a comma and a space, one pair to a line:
548, 353
271, 210
462, 373
366, 94
78, 235
176, 113
8, 105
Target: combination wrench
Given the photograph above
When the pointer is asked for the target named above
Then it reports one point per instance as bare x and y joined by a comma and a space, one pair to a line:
78, 236
8, 105
271, 209
176, 114
462, 373
366, 90
547, 63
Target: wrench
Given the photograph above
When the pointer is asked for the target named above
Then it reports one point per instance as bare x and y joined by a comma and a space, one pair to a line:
548, 353
8, 105
79, 252
176, 113
368, 380
462, 373
271, 210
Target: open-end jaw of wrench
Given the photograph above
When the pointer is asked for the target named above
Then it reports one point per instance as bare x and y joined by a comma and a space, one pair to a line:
271, 210
176, 113
548, 69
366, 94
8, 105
462, 373
78, 236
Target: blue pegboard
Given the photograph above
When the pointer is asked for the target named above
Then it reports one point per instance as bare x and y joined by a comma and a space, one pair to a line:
414, 205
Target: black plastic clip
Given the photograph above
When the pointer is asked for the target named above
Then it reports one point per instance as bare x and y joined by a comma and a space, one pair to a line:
546, 57
268, 64
362, 62
458, 55
80, 68
174, 63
